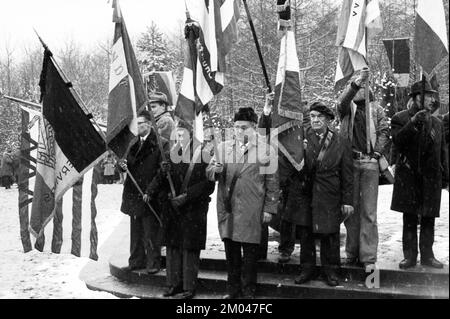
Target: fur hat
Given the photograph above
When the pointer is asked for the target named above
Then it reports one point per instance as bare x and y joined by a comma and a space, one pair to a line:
246, 114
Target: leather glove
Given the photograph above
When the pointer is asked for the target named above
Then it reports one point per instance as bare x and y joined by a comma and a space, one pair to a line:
420, 117
165, 167
179, 200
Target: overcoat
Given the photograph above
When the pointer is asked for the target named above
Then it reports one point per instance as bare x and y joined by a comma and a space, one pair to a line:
6, 168
256, 190
186, 226
144, 164
421, 168
320, 189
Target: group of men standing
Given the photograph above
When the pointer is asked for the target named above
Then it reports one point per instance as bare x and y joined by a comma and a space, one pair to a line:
338, 183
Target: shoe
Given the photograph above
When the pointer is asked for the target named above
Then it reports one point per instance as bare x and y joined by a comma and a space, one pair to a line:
432, 262
152, 271
133, 267
284, 258
187, 294
305, 275
331, 278
172, 291
407, 263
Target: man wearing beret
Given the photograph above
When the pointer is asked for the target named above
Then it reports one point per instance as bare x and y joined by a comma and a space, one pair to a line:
324, 198
158, 104
421, 173
362, 230
247, 197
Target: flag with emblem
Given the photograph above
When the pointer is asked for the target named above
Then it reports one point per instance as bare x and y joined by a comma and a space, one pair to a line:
210, 32
68, 145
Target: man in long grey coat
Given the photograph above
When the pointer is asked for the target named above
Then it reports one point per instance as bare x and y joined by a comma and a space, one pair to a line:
421, 173
247, 197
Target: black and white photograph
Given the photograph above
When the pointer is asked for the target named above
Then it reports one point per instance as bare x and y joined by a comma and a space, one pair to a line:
237, 152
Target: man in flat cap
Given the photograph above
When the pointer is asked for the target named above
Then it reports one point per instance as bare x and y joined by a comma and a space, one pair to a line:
158, 104
247, 197
421, 173
324, 198
362, 230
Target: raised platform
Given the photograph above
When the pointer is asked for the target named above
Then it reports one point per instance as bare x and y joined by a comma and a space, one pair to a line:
274, 280
277, 281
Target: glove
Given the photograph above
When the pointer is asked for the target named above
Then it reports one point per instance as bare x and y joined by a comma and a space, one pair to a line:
269, 102
178, 201
122, 164
420, 117
347, 211
165, 167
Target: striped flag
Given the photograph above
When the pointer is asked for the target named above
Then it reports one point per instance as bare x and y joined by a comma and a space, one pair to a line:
69, 146
356, 16
431, 39
287, 114
158, 81
210, 34
126, 89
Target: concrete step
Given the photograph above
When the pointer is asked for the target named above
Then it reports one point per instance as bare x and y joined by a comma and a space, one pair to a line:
212, 283
419, 275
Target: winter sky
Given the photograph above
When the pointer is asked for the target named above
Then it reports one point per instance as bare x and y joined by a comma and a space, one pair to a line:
87, 22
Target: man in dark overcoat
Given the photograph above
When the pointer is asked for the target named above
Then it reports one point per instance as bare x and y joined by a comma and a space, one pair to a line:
421, 171
143, 162
185, 216
324, 191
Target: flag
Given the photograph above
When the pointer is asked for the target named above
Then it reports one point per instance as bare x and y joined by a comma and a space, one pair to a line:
356, 17
398, 53
69, 145
210, 34
27, 170
287, 115
158, 81
126, 89
431, 39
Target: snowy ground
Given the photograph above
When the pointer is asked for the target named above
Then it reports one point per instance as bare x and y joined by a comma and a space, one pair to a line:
47, 275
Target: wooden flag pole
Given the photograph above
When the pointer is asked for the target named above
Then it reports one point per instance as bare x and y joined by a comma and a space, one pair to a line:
367, 99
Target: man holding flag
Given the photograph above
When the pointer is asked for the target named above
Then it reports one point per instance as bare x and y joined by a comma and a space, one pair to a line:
364, 124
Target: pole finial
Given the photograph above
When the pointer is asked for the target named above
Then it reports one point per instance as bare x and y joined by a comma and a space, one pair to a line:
40, 39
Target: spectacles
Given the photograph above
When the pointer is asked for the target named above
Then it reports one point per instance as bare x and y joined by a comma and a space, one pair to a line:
319, 116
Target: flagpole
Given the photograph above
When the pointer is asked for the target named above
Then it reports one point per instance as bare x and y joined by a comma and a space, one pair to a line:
102, 134
255, 38
36, 106
366, 94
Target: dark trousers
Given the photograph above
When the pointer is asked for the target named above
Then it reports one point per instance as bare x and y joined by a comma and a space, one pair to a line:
329, 248
145, 242
182, 267
241, 265
410, 222
7, 181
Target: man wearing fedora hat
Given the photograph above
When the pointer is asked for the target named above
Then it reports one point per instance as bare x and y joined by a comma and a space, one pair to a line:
323, 195
362, 230
421, 172
158, 104
247, 197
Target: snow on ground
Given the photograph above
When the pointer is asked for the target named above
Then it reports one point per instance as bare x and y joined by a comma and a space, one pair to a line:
48, 275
